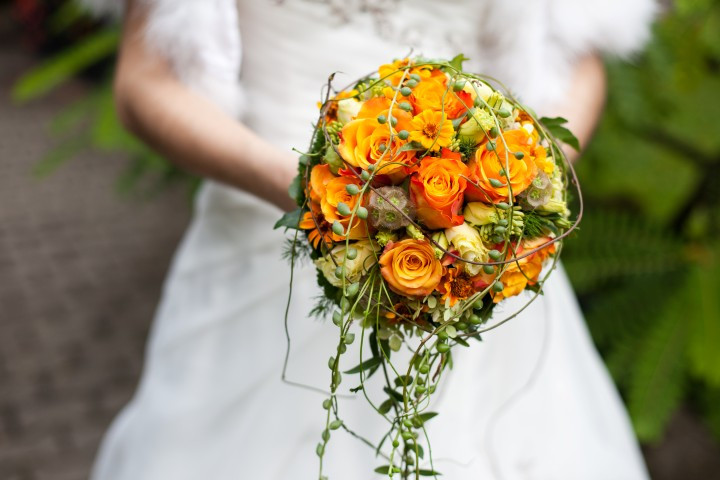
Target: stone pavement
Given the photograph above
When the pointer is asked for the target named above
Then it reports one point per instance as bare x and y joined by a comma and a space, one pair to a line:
80, 274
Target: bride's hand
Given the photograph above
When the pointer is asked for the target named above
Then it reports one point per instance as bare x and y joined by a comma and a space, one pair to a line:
188, 129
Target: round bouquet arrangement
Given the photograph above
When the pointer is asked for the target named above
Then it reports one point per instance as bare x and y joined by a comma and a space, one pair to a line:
427, 197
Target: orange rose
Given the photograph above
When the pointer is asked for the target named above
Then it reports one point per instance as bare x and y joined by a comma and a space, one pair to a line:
410, 267
335, 193
366, 141
488, 165
434, 94
437, 188
320, 175
526, 271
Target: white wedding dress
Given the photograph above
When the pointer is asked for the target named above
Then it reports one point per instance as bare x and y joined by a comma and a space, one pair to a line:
532, 401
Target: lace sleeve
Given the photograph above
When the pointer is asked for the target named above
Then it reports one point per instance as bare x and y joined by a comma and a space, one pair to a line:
200, 38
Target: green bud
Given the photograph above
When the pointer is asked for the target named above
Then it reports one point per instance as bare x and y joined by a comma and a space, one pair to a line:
395, 443
325, 435
500, 230
415, 77
412, 83
337, 378
335, 424
405, 91
519, 155
488, 269
327, 403
345, 304
490, 146
337, 228
496, 183
352, 189
494, 132
382, 148
461, 326
351, 253
362, 213
342, 348
497, 238
432, 389
371, 167
405, 106
339, 271
424, 368
502, 205
420, 389
478, 304
403, 134
498, 286
503, 222
382, 119
475, 320
349, 338
331, 363
365, 175
502, 172
504, 113
407, 436
353, 289
407, 423
343, 209
442, 334
495, 255
337, 318
443, 347
393, 121
320, 449
459, 85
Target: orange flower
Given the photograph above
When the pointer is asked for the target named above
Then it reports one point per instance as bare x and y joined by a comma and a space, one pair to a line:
335, 193
524, 272
410, 267
319, 228
434, 94
366, 141
488, 165
393, 72
437, 188
456, 285
320, 175
432, 130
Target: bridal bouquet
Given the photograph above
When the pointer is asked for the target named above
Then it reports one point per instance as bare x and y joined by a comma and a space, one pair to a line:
427, 197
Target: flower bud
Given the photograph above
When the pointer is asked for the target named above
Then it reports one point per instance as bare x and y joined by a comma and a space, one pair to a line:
343, 209
403, 134
348, 109
362, 213
478, 213
352, 189
498, 286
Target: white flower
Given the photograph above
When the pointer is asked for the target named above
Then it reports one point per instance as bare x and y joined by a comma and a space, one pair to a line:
354, 268
348, 109
469, 244
557, 203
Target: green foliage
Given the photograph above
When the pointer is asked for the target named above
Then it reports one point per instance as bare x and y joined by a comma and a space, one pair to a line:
92, 122
556, 127
645, 261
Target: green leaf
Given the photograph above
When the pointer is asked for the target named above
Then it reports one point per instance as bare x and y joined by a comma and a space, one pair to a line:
428, 473
424, 417
384, 470
557, 130
366, 365
386, 406
66, 65
295, 190
704, 304
658, 375
457, 61
290, 220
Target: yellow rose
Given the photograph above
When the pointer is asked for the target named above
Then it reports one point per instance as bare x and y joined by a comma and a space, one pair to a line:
355, 269
469, 245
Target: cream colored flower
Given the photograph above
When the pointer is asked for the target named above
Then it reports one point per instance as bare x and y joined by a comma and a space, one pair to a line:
478, 213
468, 243
476, 125
348, 109
557, 203
354, 268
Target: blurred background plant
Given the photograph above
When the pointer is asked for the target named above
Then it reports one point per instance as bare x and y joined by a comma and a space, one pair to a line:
645, 264
74, 45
